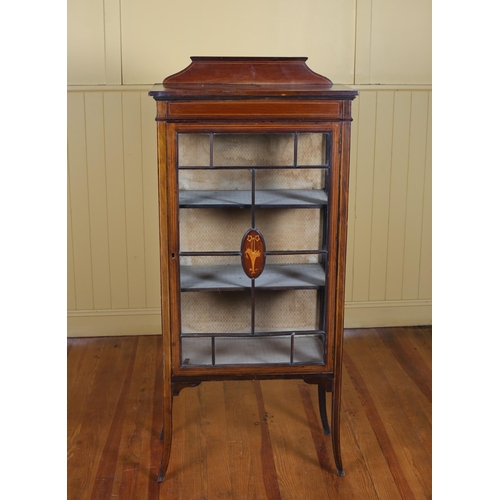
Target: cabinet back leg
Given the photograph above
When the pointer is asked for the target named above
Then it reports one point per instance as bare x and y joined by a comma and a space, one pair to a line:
322, 409
336, 427
166, 435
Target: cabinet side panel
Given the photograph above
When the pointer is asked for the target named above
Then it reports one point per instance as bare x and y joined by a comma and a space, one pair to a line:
352, 202
172, 253
164, 263
332, 242
344, 159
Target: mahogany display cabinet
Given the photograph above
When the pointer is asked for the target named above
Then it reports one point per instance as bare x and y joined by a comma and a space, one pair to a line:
253, 170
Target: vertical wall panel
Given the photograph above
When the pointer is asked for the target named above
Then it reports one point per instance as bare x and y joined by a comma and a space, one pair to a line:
112, 33
414, 208
364, 195
134, 202
398, 190
159, 37
86, 45
96, 170
393, 42
381, 192
94, 42
79, 199
363, 57
425, 279
71, 301
115, 181
150, 183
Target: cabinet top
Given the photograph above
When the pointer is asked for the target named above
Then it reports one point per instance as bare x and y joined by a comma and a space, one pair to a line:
248, 77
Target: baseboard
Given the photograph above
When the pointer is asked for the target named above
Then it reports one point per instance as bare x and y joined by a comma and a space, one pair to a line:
114, 322
118, 322
388, 313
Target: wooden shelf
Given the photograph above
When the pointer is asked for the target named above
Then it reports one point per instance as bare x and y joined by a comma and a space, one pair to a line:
272, 198
274, 277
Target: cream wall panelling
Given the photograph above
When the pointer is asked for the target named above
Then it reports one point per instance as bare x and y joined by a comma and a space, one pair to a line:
113, 42
113, 257
159, 37
389, 237
113, 221
94, 42
393, 42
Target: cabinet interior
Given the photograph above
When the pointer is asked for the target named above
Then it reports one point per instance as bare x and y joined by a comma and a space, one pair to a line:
276, 183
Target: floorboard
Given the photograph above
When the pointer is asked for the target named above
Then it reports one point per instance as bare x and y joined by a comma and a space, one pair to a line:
257, 440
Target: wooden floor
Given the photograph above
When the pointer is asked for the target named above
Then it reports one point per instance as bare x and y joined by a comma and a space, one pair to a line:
250, 440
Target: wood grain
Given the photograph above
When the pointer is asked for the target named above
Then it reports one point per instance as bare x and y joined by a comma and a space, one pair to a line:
247, 70
387, 401
107, 464
315, 110
250, 439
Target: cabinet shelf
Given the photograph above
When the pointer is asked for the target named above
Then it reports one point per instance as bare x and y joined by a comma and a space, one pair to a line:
252, 167
271, 198
291, 350
274, 277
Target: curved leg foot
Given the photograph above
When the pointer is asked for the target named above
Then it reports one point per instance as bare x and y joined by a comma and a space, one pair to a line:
336, 429
166, 436
322, 409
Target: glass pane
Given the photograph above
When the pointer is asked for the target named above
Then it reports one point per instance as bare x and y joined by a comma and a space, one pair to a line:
210, 230
196, 351
193, 150
215, 179
311, 149
243, 350
253, 149
209, 260
292, 229
308, 349
216, 312
294, 259
296, 178
287, 310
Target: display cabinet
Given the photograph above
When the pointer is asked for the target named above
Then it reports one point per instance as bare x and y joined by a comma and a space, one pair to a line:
253, 169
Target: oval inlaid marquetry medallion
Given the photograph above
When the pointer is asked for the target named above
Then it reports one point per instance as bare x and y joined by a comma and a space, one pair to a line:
253, 253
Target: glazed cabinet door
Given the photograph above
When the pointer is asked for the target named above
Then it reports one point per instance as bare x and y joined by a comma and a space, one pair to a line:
252, 227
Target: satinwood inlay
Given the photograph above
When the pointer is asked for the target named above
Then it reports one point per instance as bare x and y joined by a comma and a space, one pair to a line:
253, 253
